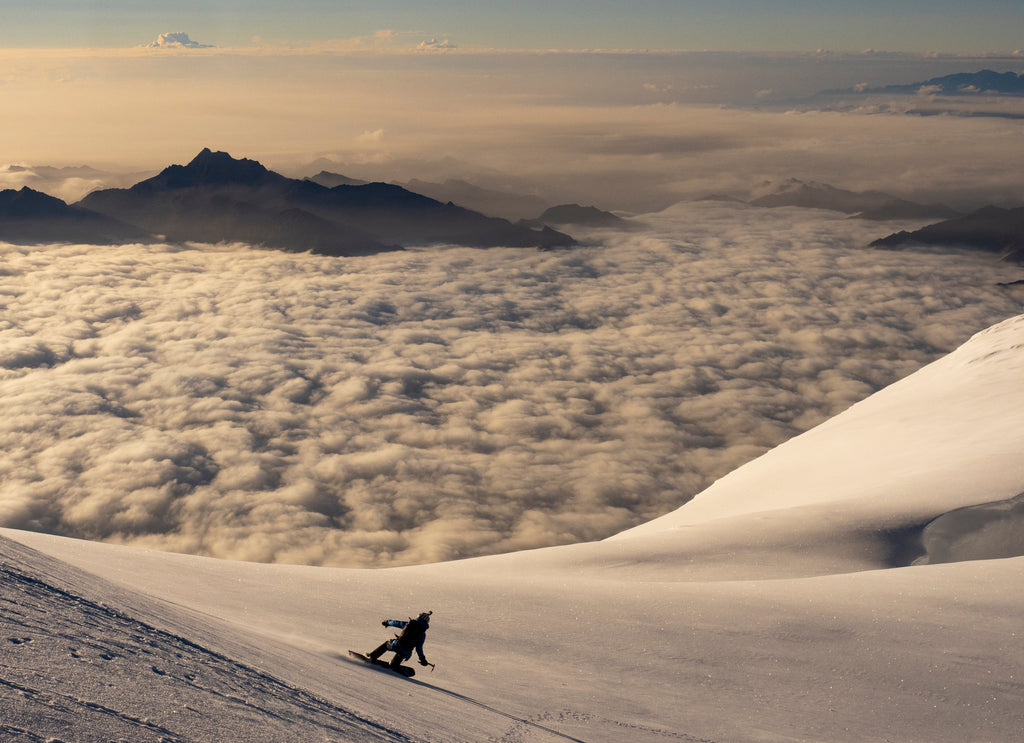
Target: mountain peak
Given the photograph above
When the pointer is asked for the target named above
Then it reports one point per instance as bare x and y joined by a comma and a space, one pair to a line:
29, 203
219, 167
210, 168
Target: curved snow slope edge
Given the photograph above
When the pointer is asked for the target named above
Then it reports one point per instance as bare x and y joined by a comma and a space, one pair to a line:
985, 532
947, 437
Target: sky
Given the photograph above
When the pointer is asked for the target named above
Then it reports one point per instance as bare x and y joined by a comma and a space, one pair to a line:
403, 90
907, 25
622, 131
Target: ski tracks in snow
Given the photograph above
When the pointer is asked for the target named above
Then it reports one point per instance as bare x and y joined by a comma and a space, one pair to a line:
525, 729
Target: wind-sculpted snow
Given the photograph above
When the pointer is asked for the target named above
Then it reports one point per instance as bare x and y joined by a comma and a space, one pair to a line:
984, 532
428, 405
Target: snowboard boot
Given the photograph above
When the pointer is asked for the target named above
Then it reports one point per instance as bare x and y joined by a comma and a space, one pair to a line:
373, 655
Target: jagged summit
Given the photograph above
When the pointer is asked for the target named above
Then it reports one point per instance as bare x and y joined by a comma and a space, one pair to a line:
210, 168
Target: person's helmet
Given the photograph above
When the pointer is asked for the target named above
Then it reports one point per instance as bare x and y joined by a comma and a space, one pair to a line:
425, 617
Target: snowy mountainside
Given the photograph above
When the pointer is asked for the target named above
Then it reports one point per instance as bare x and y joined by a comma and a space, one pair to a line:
82, 669
766, 609
945, 438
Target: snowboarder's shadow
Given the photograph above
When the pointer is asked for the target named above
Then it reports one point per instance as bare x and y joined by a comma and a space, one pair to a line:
356, 662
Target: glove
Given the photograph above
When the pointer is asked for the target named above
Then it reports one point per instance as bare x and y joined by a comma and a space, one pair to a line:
384, 623
423, 662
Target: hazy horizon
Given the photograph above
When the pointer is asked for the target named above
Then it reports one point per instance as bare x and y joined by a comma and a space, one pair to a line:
630, 131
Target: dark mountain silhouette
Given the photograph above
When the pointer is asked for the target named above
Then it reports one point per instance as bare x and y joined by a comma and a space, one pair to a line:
991, 229
584, 216
964, 83
30, 217
488, 201
218, 198
330, 180
983, 82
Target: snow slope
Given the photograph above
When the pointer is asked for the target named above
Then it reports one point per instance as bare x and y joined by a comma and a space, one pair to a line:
779, 605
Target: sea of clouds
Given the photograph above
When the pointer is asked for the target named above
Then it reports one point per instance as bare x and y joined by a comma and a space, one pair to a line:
445, 402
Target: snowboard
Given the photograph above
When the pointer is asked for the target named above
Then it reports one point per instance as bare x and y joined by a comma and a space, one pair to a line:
404, 670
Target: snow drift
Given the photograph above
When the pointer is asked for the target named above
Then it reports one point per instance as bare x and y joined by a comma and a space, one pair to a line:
988, 531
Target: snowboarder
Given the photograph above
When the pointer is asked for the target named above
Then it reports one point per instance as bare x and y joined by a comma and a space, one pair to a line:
414, 632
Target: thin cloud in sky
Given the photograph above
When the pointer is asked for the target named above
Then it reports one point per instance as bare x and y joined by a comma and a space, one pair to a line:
176, 40
531, 24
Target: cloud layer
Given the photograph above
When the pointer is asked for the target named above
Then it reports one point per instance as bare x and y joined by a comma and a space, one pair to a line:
438, 404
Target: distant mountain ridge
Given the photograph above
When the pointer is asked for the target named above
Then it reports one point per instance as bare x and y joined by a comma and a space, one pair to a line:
216, 197
990, 229
874, 205
575, 215
330, 180
812, 195
984, 82
30, 217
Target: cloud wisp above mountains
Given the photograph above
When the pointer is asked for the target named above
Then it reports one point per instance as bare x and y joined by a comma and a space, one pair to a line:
176, 40
411, 407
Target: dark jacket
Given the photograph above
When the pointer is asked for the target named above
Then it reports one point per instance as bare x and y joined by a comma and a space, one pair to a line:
414, 632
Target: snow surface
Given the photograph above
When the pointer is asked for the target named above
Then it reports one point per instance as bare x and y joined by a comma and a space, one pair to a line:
781, 604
